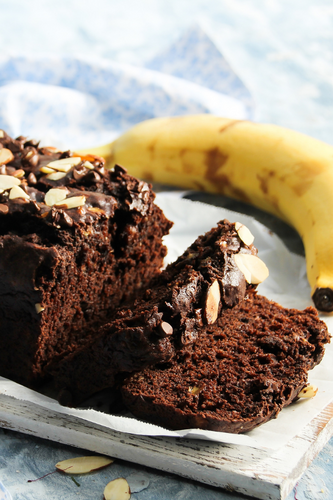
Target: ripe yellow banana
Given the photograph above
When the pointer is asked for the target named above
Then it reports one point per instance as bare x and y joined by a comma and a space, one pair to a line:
281, 171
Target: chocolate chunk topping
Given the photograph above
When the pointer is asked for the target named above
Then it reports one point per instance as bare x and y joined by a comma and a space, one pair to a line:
86, 178
30, 158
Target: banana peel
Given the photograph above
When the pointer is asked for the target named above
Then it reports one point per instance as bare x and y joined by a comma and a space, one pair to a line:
281, 171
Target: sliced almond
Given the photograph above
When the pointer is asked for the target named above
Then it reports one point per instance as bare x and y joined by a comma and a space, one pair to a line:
118, 489
308, 392
89, 165
19, 173
165, 329
65, 164
83, 465
28, 154
39, 308
17, 192
244, 233
194, 390
213, 298
55, 195
56, 176
97, 210
8, 181
2, 134
46, 170
73, 202
253, 268
5, 156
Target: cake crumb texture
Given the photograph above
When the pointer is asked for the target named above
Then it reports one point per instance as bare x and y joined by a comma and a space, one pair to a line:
239, 374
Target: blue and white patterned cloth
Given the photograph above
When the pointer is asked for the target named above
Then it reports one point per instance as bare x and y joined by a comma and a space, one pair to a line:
4, 493
79, 102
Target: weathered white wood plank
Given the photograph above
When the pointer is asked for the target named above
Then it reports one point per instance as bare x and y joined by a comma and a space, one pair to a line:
268, 475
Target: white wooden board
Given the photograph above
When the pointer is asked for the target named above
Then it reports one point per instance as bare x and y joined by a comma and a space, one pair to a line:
268, 475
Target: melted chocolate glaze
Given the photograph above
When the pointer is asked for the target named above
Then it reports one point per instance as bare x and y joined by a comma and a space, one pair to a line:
65, 269
102, 188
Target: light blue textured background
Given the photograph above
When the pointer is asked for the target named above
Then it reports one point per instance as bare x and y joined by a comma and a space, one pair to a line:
281, 50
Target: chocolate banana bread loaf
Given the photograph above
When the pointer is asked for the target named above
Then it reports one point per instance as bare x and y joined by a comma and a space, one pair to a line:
76, 241
188, 294
240, 373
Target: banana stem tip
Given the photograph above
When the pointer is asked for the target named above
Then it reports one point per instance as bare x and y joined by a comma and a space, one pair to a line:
323, 299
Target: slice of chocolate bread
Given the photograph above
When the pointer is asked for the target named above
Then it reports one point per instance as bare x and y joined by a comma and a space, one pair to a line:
240, 373
188, 294
76, 241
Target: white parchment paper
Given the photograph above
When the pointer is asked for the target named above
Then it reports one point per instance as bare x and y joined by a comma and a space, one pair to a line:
287, 284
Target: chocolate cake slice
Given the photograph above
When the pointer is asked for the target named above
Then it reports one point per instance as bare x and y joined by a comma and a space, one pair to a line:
241, 371
190, 293
76, 241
